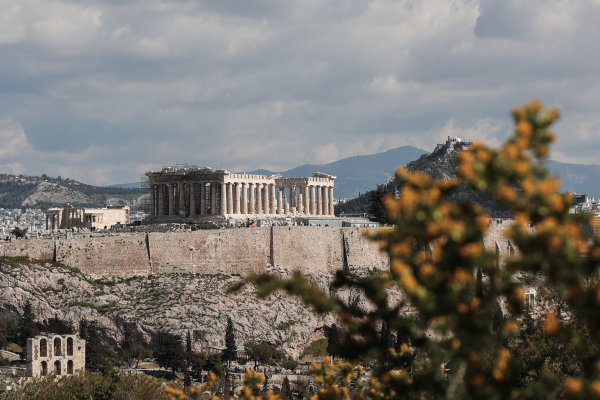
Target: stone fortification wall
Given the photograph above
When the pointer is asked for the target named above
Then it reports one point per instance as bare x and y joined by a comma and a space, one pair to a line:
228, 251
308, 247
361, 253
40, 249
496, 241
106, 256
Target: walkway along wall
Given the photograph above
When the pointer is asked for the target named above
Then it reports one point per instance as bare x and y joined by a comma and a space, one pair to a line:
228, 251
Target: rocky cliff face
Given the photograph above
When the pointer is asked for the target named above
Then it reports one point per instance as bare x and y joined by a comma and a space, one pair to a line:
441, 163
177, 302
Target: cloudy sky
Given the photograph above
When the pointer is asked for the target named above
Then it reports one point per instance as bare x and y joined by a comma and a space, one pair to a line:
100, 91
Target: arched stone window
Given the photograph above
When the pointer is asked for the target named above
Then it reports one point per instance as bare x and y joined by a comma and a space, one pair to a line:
57, 347
57, 368
43, 348
530, 299
69, 346
44, 370
70, 367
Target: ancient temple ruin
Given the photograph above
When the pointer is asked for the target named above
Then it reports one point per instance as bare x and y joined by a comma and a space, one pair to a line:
55, 354
193, 193
80, 217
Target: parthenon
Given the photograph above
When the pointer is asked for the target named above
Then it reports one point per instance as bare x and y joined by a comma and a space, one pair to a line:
194, 193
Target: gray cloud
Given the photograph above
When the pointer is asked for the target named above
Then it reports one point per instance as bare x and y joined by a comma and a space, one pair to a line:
102, 90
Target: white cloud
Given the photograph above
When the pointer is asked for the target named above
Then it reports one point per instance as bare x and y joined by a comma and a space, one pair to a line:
103, 89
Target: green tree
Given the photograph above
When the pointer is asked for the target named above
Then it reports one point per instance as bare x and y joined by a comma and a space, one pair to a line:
19, 233
265, 385
187, 379
286, 390
479, 285
230, 352
170, 353
4, 333
263, 353
376, 204
98, 355
27, 325
131, 349
333, 340
387, 337
498, 320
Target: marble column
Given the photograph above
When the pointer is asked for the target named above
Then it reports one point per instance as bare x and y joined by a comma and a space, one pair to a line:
319, 201
305, 198
182, 198
259, 208
46, 222
161, 202
152, 202
236, 198
286, 205
273, 200
223, 199
230, 198
213, 198
193, 199
171, 189
331, 211
203, 198
300, 208
266, 205
313, 201
252, 205
325, 191
280, 202
244, 198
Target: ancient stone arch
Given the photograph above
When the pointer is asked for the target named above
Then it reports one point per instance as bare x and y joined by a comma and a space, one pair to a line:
47, 354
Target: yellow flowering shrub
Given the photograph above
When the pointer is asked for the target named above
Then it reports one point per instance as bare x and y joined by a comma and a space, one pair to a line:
435, 248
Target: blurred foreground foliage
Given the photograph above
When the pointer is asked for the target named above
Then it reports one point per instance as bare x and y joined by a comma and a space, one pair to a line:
90, 385
457, 344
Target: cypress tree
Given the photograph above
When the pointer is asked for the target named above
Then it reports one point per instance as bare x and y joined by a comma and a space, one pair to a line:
231, 348
333, 340
170, 353
187, 378
479, 287
188, 344
265, 386
286, 390
497, 319
27, 326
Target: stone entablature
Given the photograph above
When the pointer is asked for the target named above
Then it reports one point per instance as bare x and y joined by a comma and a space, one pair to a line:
58, 354
79, 217
194, 193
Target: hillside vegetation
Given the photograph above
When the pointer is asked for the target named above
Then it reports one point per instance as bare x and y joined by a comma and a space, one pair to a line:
44, 192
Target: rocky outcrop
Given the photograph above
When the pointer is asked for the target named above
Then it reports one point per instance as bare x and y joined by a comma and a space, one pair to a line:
177, 302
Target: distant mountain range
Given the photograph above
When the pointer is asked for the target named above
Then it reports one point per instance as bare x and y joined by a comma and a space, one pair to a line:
356, 174
578, 178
